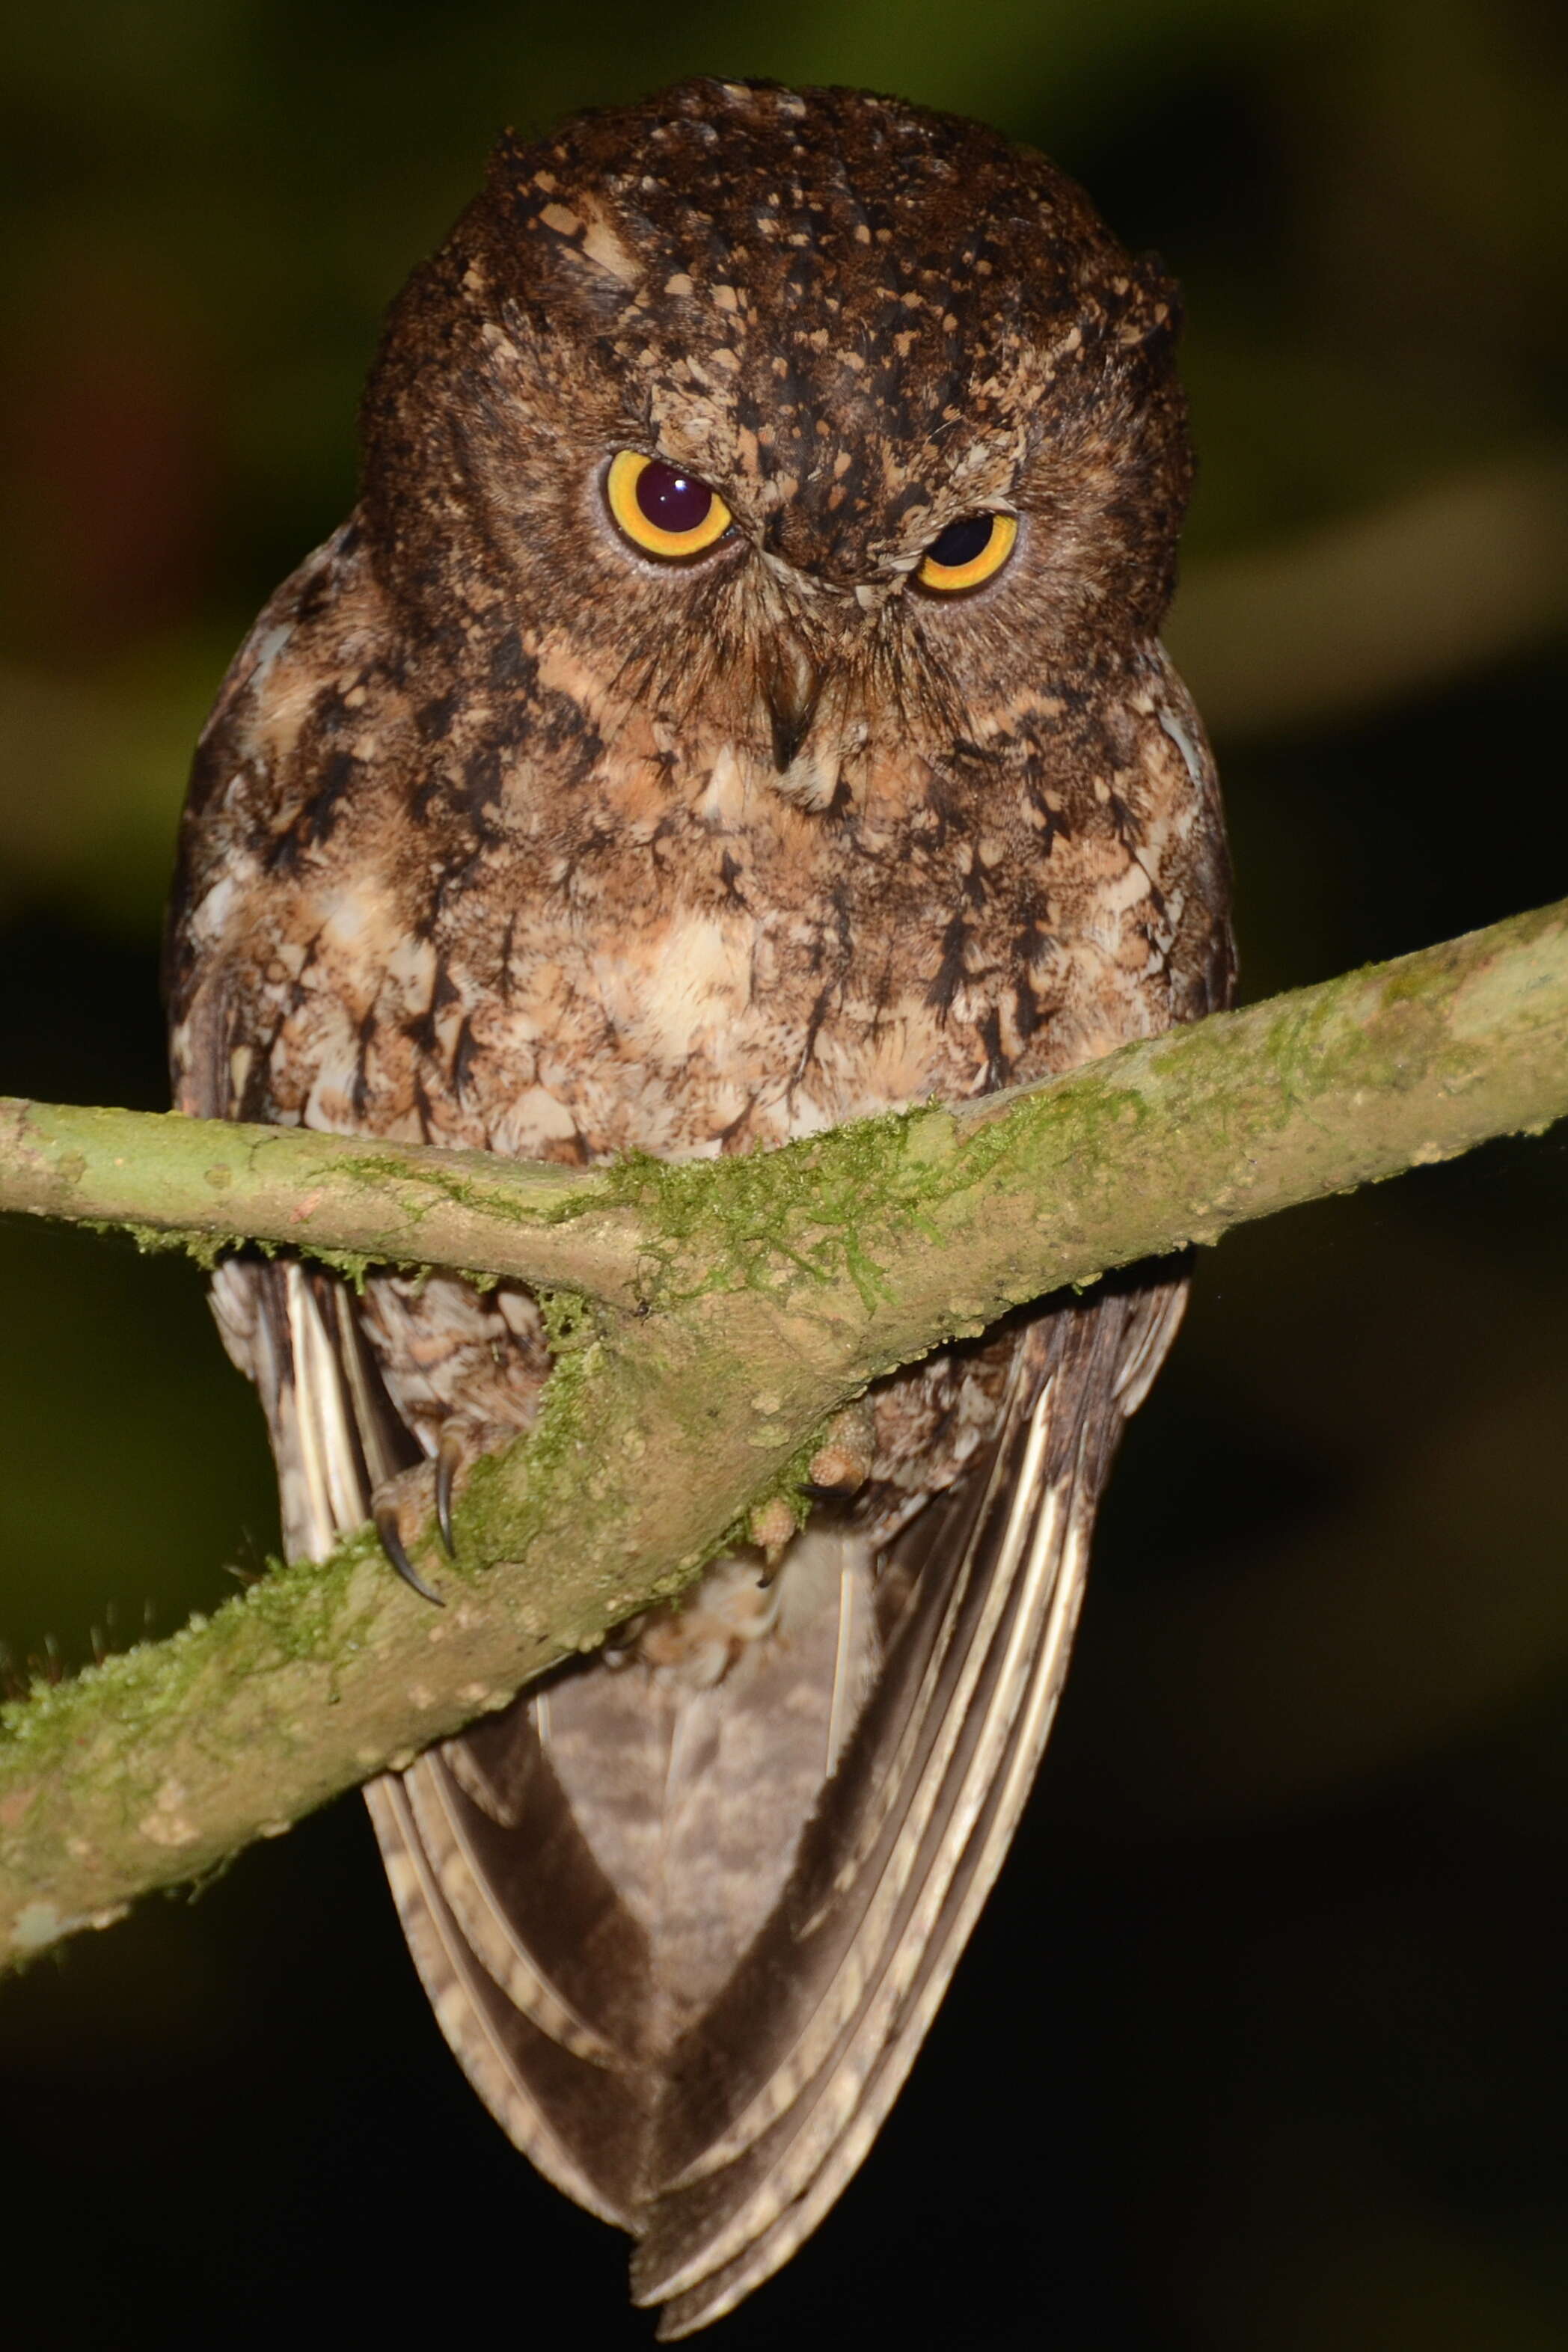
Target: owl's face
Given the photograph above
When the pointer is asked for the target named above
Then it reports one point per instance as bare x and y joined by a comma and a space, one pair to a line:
782, 420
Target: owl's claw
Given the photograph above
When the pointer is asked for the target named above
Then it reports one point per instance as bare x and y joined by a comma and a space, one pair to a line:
392, 1544
449, 1456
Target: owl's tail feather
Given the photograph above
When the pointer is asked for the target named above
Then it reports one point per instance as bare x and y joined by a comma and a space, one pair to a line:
686, 1940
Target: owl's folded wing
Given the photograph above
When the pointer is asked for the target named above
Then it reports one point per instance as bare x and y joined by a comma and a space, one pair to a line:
776, 2094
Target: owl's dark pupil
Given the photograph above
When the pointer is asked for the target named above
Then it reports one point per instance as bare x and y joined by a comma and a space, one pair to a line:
961, 542
671, 500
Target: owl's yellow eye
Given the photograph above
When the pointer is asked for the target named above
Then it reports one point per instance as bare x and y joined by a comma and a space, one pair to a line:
661, 510
967, 553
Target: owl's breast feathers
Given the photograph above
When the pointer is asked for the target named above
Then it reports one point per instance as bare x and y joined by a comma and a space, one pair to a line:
498, 910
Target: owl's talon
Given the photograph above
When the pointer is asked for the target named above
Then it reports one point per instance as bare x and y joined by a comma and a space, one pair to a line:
392, 1544
449, 1456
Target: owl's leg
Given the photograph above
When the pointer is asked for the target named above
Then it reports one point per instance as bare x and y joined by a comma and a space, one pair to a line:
463, 1374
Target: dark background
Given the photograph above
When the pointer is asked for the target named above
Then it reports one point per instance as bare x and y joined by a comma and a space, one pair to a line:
1260, 2043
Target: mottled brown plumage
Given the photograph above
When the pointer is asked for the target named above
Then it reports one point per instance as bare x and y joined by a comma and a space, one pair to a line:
506, 834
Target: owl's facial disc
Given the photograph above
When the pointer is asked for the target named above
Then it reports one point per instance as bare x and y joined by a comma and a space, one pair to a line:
664, 509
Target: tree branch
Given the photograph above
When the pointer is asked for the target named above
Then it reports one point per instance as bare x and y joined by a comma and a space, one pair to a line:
723, 1310
350, 1201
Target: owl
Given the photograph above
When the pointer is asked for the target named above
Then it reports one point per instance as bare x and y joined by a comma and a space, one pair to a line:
734, 707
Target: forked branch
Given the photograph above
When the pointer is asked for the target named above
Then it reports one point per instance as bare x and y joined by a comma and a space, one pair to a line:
710, 1318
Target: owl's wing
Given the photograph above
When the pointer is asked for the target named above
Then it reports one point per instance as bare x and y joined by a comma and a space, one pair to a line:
838, 1888
775, 2095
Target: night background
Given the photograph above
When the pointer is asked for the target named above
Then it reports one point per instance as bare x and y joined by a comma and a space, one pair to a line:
1259, 2047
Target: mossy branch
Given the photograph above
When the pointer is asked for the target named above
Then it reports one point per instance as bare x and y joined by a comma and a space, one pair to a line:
723, 1310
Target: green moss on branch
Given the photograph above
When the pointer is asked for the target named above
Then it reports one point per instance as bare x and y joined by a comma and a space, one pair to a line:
710, 1318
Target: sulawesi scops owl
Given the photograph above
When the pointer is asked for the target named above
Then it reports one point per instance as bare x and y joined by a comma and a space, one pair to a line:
734, 707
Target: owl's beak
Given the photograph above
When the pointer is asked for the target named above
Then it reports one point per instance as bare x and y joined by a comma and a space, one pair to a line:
790, 683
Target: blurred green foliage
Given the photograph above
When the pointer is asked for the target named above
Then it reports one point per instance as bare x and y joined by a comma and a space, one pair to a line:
1259, 2044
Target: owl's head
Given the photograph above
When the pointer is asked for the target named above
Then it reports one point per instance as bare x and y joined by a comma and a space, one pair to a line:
773, 412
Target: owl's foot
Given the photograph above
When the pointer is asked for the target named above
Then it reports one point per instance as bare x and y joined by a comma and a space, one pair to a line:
431, 1487
389, 1530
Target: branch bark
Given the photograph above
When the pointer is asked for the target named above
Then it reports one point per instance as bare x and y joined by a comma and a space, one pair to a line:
709, 1318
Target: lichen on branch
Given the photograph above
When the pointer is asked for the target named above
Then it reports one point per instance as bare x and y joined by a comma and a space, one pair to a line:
724, 1310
